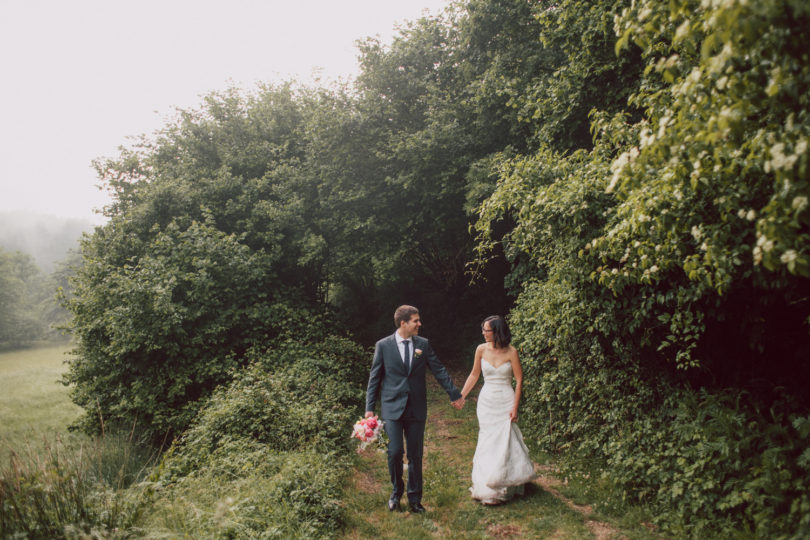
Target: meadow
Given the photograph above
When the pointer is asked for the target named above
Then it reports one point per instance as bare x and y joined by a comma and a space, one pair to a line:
34, 405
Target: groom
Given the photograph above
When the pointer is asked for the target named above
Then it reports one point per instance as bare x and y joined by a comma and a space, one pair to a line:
398, 374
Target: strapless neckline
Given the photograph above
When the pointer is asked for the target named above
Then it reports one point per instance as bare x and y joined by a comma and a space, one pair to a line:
493, 367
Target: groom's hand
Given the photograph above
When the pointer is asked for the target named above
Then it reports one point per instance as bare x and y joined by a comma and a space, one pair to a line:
369, 414
458, 404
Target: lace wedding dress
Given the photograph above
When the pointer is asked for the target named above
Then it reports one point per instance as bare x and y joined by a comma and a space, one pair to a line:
501, 465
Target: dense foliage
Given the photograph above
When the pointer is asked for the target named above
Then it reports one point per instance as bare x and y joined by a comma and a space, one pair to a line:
274, 443
634, 173
662, 313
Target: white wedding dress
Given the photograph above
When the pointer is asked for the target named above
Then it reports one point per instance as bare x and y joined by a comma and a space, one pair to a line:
501, 465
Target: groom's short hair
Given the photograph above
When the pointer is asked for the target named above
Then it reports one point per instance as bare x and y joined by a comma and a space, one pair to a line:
404, 314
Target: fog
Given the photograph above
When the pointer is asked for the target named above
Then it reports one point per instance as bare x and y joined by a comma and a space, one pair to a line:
47, 238
81, 77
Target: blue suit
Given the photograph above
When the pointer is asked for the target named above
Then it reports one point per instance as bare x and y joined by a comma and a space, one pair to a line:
403, 405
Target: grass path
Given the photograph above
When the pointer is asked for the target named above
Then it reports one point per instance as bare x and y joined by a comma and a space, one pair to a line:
543, 512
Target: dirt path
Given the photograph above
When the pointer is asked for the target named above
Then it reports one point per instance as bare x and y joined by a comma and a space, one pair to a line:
543, 512
548, 482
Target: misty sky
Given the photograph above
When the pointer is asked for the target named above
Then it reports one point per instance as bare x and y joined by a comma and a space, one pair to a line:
79, 77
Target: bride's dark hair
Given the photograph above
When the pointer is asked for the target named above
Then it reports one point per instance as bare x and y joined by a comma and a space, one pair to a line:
501, 335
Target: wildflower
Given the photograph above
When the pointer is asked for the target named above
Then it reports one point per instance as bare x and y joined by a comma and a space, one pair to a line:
788, 256
778, 158
646, 138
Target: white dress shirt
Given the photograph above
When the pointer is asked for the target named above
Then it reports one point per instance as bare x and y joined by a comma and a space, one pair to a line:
401, 346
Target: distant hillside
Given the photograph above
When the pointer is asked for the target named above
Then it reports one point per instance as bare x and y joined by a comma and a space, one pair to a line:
46, 238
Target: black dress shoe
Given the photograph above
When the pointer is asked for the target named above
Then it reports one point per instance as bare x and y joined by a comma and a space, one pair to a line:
417, 508
393, 505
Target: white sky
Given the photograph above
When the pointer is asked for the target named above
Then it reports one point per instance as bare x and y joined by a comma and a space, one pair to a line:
78, 77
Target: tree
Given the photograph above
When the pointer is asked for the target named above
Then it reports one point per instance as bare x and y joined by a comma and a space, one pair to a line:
713, 190
661, 306
204, 258
157, 334
440, 102
22, 287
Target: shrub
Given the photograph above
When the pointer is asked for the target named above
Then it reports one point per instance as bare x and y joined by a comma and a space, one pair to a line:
249, 490
159, 329
266, 457
308, 400
712, 465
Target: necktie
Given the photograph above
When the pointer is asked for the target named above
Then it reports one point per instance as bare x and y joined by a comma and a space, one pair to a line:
407, 355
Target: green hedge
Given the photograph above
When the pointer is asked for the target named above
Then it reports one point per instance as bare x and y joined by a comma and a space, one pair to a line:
266, 457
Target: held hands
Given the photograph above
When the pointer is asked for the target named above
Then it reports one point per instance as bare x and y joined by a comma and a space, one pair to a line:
459, 403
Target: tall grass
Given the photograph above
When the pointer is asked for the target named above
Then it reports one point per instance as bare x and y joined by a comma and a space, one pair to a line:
67, 490
54, 484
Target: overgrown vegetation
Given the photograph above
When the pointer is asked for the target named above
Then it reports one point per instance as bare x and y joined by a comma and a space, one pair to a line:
629, 177
75, 490
661, 274
267, 455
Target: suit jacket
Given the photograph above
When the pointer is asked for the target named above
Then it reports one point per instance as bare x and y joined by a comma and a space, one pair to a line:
396, 387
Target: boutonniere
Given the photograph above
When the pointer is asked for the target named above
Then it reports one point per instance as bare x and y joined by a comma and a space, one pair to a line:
417, 353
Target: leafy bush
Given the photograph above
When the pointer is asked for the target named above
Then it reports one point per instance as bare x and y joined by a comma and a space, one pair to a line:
266, 456
711, 465
661, 313
159, 331
298, 396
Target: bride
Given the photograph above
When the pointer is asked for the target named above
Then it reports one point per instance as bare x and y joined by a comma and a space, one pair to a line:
501, 465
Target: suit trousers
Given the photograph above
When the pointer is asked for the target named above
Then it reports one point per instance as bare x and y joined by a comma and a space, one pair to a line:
410, 432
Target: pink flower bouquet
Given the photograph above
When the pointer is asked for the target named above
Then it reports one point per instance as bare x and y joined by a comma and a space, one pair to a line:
368, 431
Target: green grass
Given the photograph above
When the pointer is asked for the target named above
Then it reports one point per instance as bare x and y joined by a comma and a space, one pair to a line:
450, 441
57, 484
33, 403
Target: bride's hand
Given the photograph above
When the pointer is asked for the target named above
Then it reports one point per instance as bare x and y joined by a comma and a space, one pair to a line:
513, 415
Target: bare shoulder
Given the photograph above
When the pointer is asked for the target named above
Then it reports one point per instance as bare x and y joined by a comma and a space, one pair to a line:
512, 352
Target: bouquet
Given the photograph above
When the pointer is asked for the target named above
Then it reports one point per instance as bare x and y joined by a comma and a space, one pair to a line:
369, 431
